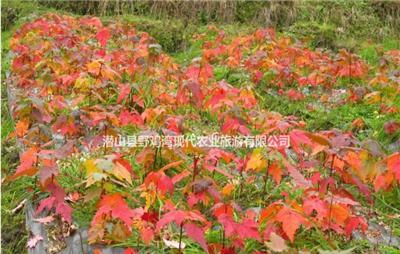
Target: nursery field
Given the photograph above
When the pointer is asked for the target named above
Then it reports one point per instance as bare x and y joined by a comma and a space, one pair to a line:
245, 140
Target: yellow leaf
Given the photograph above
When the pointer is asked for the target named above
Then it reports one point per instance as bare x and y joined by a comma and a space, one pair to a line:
94, 67
227, 190
256, 161
82, 83
373, 97
122, 173
90, 167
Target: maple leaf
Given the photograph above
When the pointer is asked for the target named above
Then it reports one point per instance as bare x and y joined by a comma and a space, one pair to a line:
56, 200
248, 229
110, 165
256, 161
291, 221
228, 189
393, 164
270, 211
124, 89
130, 251
179, 216
353, 223
102, 36
214, 155
97, 251
65, 211
233, 125
122, 171
94, 68
133, 118
198, 95
115, 206
222, 209
27, 166
46, 203
32, 242
315, 204
202, 73
383, 181
339, 213
391, 127
147, 235
179, 177
296, 175
197, 234
276, 243
21, 127
65, 126
161, 181
276, 172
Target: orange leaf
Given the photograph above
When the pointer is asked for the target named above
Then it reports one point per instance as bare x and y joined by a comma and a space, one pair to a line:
21, 127
291, 221
276, 172
339, 213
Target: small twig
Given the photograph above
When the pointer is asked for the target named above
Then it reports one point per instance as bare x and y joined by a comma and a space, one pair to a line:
180, 237
19, 207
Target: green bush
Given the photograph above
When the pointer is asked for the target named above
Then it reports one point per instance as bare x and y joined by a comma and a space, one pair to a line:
172, 35
11, 11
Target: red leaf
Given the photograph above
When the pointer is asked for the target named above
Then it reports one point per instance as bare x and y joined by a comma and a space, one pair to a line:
197, 234
177, 178
162, 181
26, 167
391, 127
198, 95
147, 235
130, 251
61, 207
233, 125
353, 224
248, 230
65, 211
179, 216
296, 175
176, 216
316, 204
115, 205
393, 164
133, 118
124, 90
46, 203
102, 36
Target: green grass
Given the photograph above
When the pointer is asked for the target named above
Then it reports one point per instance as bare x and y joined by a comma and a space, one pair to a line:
12, 193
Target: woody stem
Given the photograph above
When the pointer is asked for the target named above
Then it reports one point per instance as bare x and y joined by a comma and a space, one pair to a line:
180, 237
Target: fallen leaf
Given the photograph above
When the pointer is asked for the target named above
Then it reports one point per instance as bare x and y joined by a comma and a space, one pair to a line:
34, 240
173, 244
276, 243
